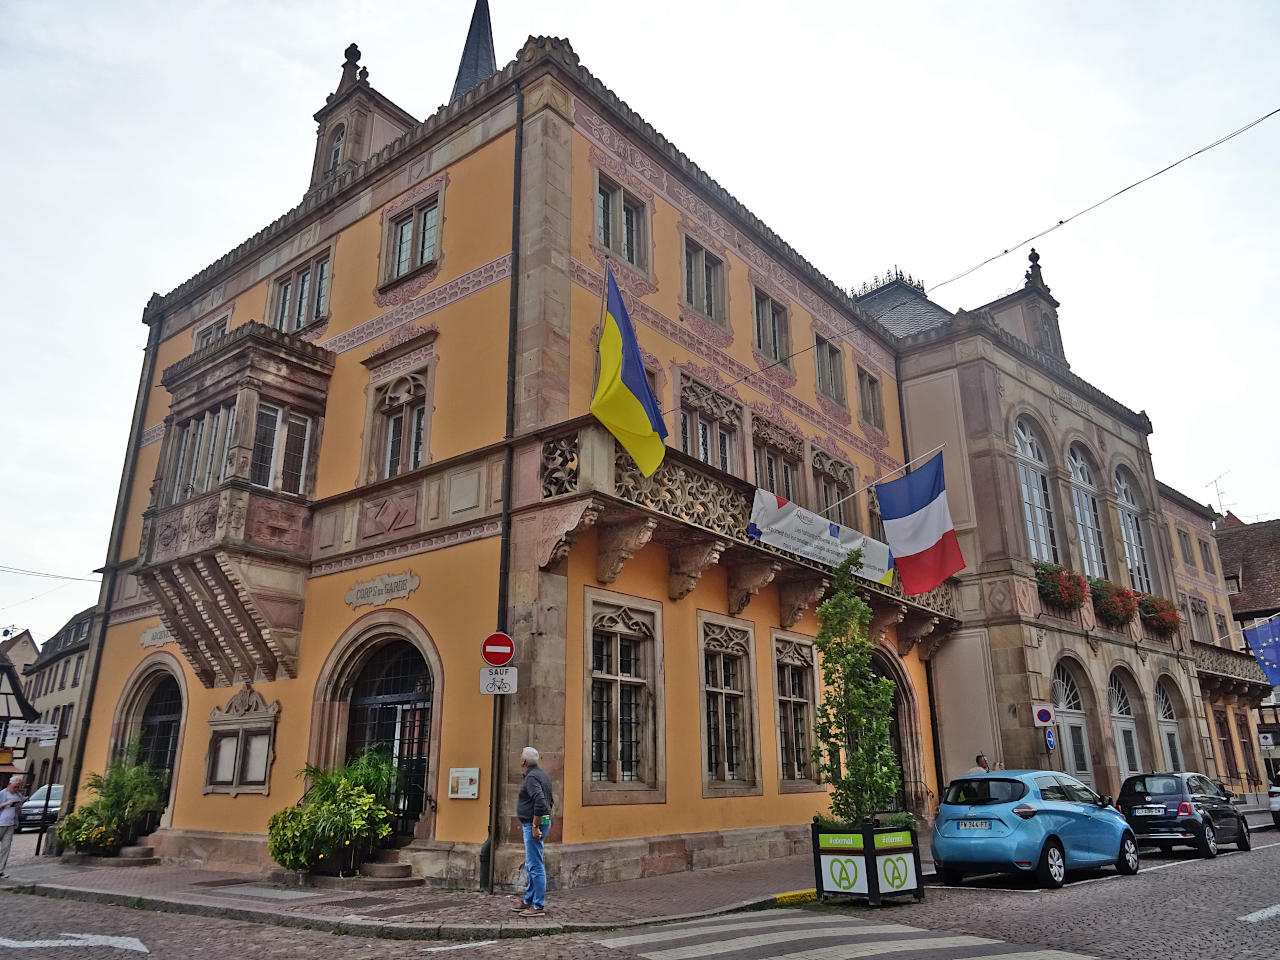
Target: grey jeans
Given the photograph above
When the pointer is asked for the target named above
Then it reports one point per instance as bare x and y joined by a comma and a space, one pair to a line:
6, 841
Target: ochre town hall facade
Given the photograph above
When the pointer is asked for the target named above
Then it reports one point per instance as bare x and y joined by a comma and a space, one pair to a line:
330, 498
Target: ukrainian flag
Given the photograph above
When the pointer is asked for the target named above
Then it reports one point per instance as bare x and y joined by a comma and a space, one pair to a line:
623, 401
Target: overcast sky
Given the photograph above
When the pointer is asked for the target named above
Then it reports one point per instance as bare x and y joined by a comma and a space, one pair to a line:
144, 140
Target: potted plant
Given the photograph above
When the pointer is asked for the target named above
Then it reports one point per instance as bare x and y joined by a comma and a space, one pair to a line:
1115, 606
340, 820
126, 794
1060, 587
1159, 615
855, 852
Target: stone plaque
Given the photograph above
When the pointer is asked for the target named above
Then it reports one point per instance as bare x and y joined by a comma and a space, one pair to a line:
156, 637
376, 592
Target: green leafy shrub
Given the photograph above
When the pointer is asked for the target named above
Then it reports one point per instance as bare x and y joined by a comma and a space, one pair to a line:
852, 744
291, 838
126, 793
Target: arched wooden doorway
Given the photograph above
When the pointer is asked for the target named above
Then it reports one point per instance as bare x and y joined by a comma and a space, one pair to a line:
1072, 726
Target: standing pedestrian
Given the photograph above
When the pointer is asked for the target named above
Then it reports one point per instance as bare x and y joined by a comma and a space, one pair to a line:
981, 766
11, 800
533, 808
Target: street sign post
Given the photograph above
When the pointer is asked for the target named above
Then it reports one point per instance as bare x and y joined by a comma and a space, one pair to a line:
497, 649
498, 680
40, 730
1050, 741
1044, 715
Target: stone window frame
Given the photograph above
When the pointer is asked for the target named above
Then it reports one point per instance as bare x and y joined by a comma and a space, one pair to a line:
827, 354
282, 435
294, 308
741, 643
598, 606
870, 398
693, 274
412, 214
1185, 548
833, 482
333, 150
702, 405
787, 647
1206, 557
410, 364
772, 339
245, 716
197, 459
786, 450
620, 199
206, 333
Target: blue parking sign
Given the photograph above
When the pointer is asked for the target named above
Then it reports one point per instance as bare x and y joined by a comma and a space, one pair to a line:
1050, 741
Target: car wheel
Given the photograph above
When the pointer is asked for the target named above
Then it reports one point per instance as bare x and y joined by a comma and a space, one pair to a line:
1052, 869
1244, 842
1208, 843
1127, 861
952, 878
1275, 818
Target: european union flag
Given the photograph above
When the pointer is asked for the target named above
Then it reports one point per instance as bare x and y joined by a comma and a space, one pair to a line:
1265, 641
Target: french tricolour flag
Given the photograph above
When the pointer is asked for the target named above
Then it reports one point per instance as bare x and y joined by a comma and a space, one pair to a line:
917, 524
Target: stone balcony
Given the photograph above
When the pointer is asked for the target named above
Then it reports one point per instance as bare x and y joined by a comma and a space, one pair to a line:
228, 570
700, 515
1230, 673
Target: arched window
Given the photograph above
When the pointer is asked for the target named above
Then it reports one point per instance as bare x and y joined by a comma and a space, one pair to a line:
402, 407
1168, 721
1135, 550
161, 721
1066, 695
391, 706
1037, 505
335, 151
1084, 498
1072, 727
1123, 726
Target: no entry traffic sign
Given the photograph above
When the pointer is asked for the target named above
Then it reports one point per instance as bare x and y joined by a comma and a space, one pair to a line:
497, 649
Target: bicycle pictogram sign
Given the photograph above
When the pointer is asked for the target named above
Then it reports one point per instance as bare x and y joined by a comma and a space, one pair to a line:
844, 872
895, 871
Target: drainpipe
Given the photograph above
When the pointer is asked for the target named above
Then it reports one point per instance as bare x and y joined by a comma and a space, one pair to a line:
489, 852
107, 592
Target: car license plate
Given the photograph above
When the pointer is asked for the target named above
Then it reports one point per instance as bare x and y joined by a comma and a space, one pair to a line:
1148, 811
973, 824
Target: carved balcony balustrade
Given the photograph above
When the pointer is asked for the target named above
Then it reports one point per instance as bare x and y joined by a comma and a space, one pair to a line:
226, 541
1230, 673
700, 515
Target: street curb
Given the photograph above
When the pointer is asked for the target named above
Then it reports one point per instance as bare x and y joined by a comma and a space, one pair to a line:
377, 929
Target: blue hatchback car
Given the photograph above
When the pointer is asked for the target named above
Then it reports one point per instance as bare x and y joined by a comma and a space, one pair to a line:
1028, 821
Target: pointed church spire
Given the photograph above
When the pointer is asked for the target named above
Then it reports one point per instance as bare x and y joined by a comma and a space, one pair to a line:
478, 63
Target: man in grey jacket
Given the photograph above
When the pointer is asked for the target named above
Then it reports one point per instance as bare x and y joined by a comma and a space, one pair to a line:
533, 808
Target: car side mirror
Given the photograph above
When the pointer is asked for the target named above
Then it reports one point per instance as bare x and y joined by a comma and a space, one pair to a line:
1105, 801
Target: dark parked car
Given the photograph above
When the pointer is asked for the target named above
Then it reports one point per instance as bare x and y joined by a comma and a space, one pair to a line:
31, 812
1171, 809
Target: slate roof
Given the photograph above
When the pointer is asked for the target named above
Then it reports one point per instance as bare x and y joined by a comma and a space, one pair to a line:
478, 62
1202, 510
903, 309
67, 640
1252, 550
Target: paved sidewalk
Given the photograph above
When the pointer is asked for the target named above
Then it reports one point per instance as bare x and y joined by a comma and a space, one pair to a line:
415, 912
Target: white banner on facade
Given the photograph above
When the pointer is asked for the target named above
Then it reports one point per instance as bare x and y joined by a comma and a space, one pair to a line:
788, 526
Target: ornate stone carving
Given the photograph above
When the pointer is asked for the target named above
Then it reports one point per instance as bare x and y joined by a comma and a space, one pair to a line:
913, 631
560, 526
796, 596
723, 638
382, 589
779, 371
692, 496
616, 543
688, 562
708, 330
614, 618
882, 618
746, 579
838, 471
930, 644
767, 432
247, 702
558, 470
710, 402
794, 653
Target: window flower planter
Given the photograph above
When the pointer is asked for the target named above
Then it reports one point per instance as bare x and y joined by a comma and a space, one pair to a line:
1060, 587
1159, 615
1115, 606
